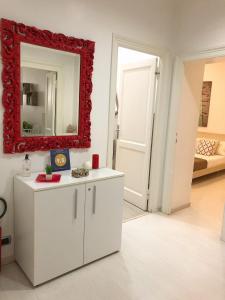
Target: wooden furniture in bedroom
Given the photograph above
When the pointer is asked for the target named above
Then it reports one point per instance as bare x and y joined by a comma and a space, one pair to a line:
208, 171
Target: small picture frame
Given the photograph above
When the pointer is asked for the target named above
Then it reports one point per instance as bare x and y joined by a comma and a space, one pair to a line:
60, 160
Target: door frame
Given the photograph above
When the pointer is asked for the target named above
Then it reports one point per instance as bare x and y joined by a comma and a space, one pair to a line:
161, 111
177, 79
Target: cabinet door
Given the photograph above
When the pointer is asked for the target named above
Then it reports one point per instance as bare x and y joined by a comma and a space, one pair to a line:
103, 218
59, 230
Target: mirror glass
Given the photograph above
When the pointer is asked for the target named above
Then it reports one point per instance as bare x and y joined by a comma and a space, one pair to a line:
50, 81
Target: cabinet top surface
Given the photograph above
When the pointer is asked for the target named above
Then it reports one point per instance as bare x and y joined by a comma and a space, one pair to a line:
67, 179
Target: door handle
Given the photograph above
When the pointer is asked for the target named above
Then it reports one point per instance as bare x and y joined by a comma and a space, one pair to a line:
94, 199
117, 131
75, 204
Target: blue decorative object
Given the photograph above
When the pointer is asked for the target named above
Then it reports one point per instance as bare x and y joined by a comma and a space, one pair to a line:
60, 160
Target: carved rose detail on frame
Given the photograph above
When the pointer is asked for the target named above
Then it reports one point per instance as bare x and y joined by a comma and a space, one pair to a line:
12, 34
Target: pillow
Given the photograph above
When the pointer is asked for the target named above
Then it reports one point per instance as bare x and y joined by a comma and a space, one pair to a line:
221, 148
197, 142
207, 147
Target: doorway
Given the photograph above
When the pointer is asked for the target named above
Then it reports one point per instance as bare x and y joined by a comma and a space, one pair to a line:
207, 189
198, 133
136, 86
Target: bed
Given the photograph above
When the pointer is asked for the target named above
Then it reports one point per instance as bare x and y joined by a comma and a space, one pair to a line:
204, 165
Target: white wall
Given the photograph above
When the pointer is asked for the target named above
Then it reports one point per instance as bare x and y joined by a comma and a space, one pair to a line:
215, 72
200, 25
223, 227
186, 133
95, 20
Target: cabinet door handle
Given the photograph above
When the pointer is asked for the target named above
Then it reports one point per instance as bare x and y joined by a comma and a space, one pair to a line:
75, 204
94, 199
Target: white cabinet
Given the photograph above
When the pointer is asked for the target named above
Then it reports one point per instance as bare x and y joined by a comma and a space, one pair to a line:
103, 215
60, 227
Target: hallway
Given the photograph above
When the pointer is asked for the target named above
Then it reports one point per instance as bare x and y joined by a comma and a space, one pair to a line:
207, 203
176, 257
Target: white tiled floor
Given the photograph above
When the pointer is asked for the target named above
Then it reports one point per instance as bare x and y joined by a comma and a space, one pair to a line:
207, 203
174, 257
131, 212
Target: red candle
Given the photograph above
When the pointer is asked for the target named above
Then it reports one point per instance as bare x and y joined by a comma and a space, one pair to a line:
95, 161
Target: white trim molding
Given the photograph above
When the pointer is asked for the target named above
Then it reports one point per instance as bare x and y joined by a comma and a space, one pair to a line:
204, 54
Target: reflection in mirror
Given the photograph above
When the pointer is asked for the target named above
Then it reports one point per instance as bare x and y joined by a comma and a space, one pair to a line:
50, 82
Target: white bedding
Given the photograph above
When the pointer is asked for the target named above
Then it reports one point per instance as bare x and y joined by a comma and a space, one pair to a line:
213, 160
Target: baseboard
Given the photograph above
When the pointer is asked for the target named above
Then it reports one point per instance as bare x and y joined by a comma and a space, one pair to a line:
7, 260
173, 210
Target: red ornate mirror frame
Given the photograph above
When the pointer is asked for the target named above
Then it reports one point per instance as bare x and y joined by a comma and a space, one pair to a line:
12, 34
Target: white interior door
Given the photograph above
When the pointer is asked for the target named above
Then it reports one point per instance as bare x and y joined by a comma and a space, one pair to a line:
136, 103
